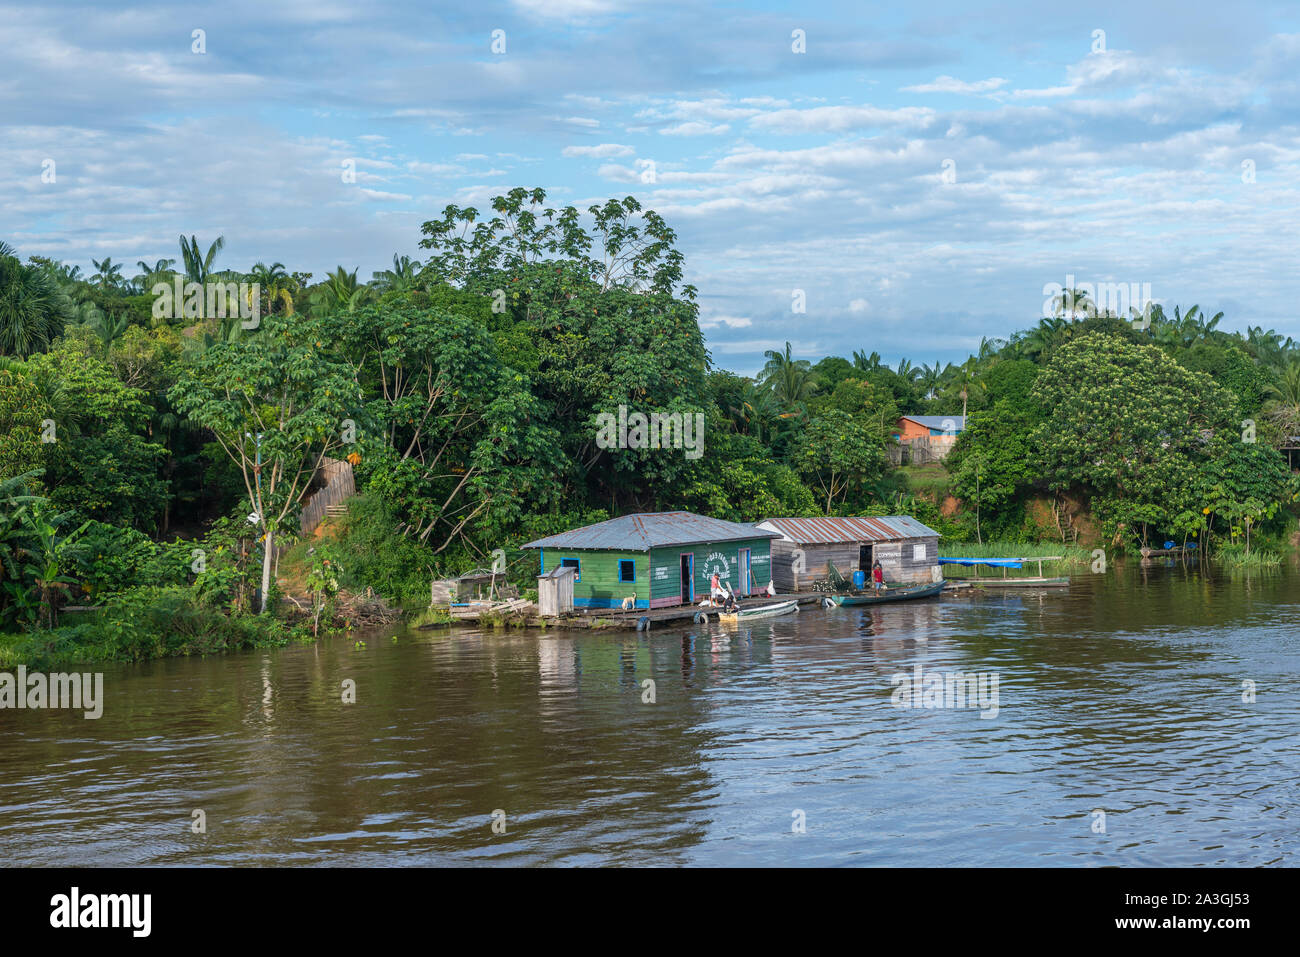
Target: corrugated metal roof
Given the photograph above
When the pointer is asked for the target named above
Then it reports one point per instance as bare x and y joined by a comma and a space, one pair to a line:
647, 530
826, 531
955, 422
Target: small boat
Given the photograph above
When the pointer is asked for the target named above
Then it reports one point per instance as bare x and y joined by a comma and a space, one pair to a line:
758, 611
902, 593
1033, 582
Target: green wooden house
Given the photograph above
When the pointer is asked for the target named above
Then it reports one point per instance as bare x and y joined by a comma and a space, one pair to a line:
659, 558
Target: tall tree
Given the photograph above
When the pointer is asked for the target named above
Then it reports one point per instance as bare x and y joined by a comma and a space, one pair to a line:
198, 265
277, 405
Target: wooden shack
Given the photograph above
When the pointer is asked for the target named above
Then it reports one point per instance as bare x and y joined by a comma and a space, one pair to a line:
555, 591
658, 559
907, 550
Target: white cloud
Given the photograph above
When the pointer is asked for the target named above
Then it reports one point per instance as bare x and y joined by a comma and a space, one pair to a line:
837, 119
603, 151
948, 84
694, 128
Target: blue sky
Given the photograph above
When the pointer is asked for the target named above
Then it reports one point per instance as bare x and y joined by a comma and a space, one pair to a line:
821, 171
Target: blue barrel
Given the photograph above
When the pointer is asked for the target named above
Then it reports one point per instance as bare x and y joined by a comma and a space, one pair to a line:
859, 578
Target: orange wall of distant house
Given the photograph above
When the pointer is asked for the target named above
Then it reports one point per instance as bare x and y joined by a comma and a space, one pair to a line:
906, 430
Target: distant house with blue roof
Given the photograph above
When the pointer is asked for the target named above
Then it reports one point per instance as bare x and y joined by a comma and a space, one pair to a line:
926, 438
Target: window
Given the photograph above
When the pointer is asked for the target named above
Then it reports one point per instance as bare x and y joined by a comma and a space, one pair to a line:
918, 553
626, 570
573, 563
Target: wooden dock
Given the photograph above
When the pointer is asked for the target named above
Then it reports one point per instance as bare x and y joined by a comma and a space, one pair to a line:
639, 619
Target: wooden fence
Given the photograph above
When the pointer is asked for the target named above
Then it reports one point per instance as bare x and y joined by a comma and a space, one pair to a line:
922, 451
340, 485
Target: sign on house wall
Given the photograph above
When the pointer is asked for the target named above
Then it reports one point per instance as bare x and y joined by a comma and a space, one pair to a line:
717, 562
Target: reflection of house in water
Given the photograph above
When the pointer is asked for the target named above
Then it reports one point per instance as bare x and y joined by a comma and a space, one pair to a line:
557, 663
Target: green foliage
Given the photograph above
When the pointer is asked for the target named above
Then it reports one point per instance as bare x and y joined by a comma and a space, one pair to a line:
150, 622
840, 457
23, 409
1127, 424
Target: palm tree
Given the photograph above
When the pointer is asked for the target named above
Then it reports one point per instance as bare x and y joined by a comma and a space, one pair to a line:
866, 363
790, 379
150, 276
276, 285
401, 277
1283, 408
108, 274
1072, 304
198, 267
929, 378
965, 378
33, 308
757, 411
340, 292
109, 328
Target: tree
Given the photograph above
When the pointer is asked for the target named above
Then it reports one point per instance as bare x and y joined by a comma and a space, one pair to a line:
340, 292
790, 379
839, 456
402, 277
198, 265
277, 405
1128, 424
276, 286
23, 411
108, 274
33, 308
993, 462
463, 443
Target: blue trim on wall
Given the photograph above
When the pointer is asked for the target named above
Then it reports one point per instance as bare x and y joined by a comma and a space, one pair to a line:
621, 563
606, 603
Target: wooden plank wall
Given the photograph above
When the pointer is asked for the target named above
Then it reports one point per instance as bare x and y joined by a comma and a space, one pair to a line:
897, 559
340, 485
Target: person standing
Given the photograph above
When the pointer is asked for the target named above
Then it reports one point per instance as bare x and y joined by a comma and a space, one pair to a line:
877, 576
715, 589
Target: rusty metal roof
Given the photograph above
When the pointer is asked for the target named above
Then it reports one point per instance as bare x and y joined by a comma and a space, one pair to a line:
826, 531
647, 530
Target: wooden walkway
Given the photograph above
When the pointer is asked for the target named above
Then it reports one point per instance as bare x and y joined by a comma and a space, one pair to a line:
617, 619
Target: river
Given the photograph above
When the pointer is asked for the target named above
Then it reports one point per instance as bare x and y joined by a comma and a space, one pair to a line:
1120, 737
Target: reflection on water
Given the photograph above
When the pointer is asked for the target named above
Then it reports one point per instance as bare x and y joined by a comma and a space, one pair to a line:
1124, 695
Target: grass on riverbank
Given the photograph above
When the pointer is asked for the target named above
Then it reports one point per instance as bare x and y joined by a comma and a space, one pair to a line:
1235, 557
931, 481
1071, 555
142, 624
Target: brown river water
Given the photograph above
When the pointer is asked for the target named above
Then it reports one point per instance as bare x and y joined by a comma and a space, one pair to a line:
1118, 736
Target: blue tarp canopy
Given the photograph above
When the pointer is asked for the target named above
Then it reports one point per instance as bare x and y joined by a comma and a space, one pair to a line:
995, 562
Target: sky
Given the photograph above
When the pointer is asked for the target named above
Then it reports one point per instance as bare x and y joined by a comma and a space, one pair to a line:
914, 175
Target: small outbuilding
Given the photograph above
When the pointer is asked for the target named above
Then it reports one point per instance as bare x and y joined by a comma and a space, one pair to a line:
658, 559
555, 591
907, 550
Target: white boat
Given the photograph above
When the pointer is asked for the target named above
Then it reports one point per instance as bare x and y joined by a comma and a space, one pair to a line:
758, 611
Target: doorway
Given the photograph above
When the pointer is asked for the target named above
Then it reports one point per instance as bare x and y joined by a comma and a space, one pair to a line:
746, 580
865, 559
688, 578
